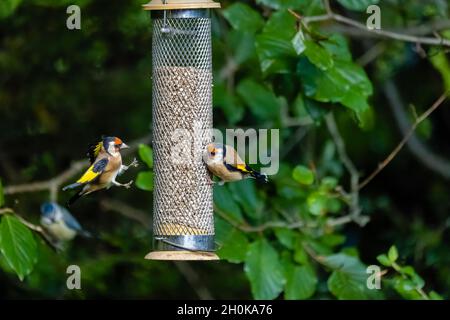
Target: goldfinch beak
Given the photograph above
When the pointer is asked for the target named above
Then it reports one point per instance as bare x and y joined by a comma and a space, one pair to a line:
124, 146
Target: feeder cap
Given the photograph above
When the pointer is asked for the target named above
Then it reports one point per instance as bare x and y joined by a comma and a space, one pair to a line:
180, 4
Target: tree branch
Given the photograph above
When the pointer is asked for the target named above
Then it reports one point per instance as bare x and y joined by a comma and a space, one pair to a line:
128, 211
408, 134
355, 210
431, 160
407, 36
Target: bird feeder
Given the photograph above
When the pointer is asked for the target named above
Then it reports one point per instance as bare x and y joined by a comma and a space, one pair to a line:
183, 222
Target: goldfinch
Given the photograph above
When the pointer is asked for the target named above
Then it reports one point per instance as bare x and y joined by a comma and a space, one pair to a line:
59, 223
224, 162
106, 165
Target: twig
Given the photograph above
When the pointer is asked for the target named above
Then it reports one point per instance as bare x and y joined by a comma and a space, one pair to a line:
431, 160
244, 227
355, 210
371, 54
399, 147
128, 211
390, 34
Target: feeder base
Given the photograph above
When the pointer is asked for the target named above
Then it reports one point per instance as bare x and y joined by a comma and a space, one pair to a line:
181, 255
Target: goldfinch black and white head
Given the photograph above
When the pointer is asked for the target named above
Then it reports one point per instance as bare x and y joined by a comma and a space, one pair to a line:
106, 165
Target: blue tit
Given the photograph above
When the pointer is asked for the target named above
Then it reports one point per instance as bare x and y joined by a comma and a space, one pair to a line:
224, 162
59, 223
106, 165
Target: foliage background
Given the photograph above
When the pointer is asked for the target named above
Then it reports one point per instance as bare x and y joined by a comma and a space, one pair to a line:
61, 89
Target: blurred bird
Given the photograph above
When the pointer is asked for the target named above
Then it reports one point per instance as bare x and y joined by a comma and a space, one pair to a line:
59, 223
106, 165
224, 162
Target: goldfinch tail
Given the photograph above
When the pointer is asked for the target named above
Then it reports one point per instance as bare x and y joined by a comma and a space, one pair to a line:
260, 177
71, 186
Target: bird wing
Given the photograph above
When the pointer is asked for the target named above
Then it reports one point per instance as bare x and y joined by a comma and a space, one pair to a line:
233, 162
93, 151
239, 167
94, 171
70, 220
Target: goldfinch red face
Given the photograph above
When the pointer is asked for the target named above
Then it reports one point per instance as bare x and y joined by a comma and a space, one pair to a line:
113, 145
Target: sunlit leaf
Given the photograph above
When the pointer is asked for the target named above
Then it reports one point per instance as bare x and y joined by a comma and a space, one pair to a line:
146, 154
144, 181
303, 175
393, 254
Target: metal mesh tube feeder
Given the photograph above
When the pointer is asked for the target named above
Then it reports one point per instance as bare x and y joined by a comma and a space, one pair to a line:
183, 221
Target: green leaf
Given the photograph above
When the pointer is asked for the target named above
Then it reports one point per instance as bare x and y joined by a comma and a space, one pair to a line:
229, 103
328, 183
301, 283
245, 193
435, 296
18, 246
345, 82
441, 64
263, 269
357, 5
274, 45
318, 55
146, 154
287, 237
337, 46
2, 196
233, 243
243, 18
384, 260
262, 101
144, 181
7, 7
303, 175
348, 281
393, 254
317, 203
273, 52
242, 44
281, 4
225, 202
406, 288
415, 278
